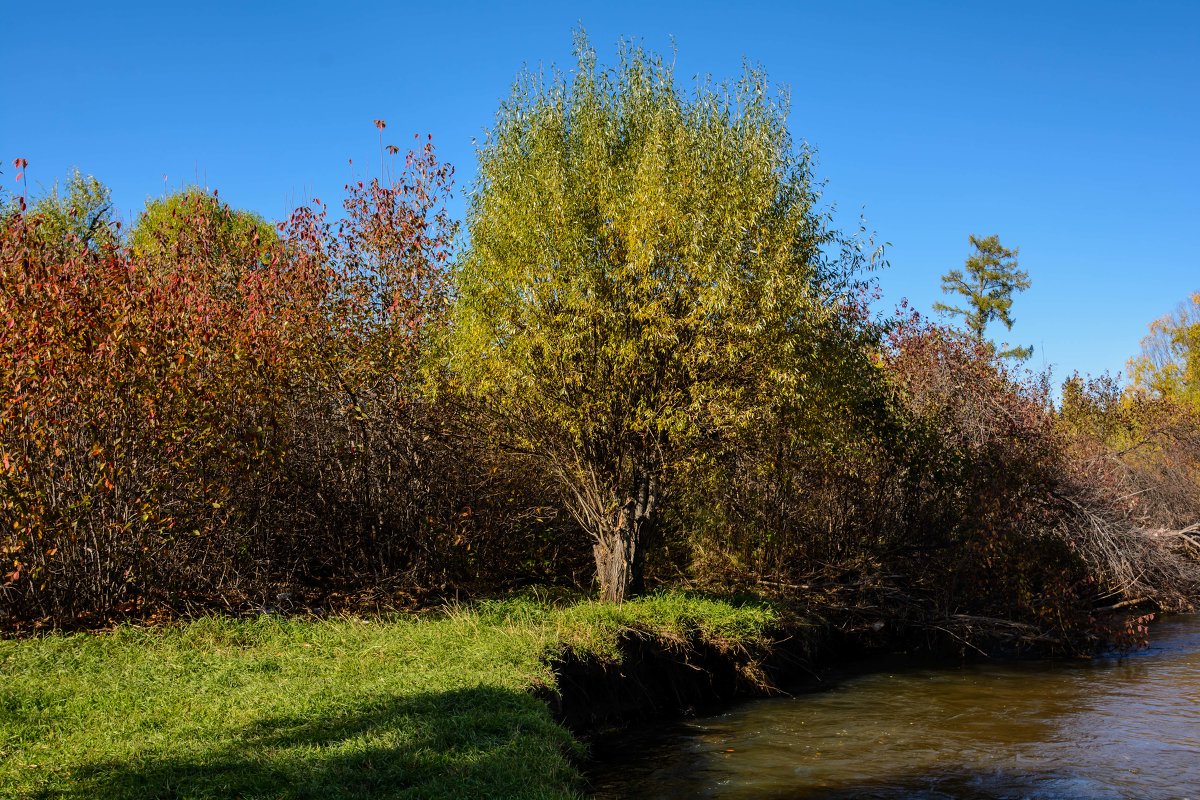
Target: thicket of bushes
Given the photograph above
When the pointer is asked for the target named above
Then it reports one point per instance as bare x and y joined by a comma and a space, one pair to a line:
211, 411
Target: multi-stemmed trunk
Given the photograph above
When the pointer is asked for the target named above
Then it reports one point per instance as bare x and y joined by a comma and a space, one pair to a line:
619, 544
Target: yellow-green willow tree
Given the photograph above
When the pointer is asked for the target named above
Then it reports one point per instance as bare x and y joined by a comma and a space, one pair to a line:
1169, 364
646, 276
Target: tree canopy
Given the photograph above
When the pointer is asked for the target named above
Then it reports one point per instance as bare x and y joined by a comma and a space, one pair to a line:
195, 225
81, 211
1169, 364
647, 273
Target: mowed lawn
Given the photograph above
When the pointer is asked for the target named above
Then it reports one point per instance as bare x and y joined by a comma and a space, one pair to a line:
437, 706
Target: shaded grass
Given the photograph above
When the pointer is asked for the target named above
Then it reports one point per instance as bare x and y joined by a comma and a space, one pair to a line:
430, 707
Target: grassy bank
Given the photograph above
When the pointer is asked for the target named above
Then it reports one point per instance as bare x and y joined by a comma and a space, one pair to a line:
436, 706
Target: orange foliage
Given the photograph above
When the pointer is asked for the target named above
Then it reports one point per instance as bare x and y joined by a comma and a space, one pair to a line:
148, 405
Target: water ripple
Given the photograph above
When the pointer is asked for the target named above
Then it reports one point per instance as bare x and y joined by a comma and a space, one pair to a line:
1111, 728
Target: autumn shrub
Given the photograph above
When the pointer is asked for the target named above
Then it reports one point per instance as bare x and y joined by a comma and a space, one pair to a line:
988, 518
392, 481
950, 486
1148, 448
1135, 479
361, 465
211, 411
808, 486
136, 404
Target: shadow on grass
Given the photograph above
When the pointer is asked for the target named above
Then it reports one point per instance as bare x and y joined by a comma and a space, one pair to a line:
481, 742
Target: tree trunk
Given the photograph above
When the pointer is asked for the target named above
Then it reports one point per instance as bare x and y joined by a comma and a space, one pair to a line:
618, 549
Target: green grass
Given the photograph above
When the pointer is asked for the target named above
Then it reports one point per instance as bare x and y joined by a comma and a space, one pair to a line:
430, 707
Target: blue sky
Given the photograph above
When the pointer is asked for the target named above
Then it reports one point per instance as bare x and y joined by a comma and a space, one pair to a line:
1070, 129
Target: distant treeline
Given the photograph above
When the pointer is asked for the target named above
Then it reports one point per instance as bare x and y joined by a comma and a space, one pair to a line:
652, 360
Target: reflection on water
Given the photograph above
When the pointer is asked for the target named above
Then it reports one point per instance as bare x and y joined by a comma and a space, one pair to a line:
1110, 728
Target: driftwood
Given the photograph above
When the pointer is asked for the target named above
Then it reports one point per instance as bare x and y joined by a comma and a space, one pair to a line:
1137, 601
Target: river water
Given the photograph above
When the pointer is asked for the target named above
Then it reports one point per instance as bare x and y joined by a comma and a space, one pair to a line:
1119, 727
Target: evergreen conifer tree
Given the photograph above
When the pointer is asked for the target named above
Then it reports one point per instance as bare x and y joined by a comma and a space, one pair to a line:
988, 284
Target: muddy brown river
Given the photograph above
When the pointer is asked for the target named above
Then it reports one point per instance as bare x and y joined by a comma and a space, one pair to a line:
1114, 727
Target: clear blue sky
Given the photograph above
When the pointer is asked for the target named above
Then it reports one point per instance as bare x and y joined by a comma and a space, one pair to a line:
1070, 129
